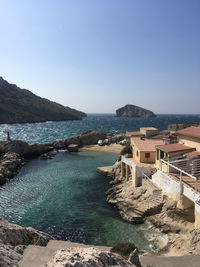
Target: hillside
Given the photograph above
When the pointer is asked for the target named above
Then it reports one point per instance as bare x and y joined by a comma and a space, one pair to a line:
134, 111
21, 106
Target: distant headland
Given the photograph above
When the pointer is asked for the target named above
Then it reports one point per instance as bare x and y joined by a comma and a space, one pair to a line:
134, 111
22, 106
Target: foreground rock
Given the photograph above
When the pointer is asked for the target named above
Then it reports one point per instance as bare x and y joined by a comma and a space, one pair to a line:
134, 111
14, 239
87, 257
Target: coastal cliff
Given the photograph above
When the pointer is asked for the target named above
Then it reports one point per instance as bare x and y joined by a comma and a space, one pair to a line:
22, 106
134, 111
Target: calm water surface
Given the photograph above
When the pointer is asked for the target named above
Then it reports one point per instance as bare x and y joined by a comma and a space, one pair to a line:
65, 198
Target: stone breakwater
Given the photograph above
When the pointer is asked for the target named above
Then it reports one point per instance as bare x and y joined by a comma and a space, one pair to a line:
14, 153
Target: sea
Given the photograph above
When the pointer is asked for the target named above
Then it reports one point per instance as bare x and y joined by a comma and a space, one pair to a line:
65, 196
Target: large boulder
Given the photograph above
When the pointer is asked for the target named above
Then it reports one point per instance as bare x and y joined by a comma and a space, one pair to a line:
38, 149
91, 137
63, 144
13, 234
124, 249
14, 239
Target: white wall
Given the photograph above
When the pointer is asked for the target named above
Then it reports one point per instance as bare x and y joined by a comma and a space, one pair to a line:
167, 184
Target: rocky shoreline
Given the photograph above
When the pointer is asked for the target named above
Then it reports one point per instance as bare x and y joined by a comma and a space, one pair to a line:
135, 205
16, 243
148, 204
27, 247
15, 153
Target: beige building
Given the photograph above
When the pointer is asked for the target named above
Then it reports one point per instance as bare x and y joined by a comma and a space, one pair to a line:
144, 150
178, 170
170, 152
144, 132
134, 134
142, 160
190, 137
149, 131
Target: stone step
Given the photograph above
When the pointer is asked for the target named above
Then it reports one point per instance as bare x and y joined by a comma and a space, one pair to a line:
156, 194
139, 213
156, 201
138, 210
156, 198
157, 191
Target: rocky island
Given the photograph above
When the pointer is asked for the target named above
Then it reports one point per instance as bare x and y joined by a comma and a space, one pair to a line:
134, 111
22, 106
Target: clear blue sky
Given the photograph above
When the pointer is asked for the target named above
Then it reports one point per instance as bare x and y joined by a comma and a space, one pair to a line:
98, 55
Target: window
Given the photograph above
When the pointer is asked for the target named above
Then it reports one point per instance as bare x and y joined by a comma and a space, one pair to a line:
147, 155
162, 154
157, 152
137, 153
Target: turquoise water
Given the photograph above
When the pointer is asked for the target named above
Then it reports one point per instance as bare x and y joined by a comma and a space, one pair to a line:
51, 131
65, 198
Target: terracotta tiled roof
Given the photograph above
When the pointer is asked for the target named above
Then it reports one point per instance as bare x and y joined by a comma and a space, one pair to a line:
149, 128
190, 131
176, 147
136, 133
146, 144
160, 136
192, 154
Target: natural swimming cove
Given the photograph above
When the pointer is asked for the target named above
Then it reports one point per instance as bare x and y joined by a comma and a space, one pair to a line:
65, 198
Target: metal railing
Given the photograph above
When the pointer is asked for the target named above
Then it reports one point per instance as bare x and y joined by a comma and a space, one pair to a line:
180, 170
